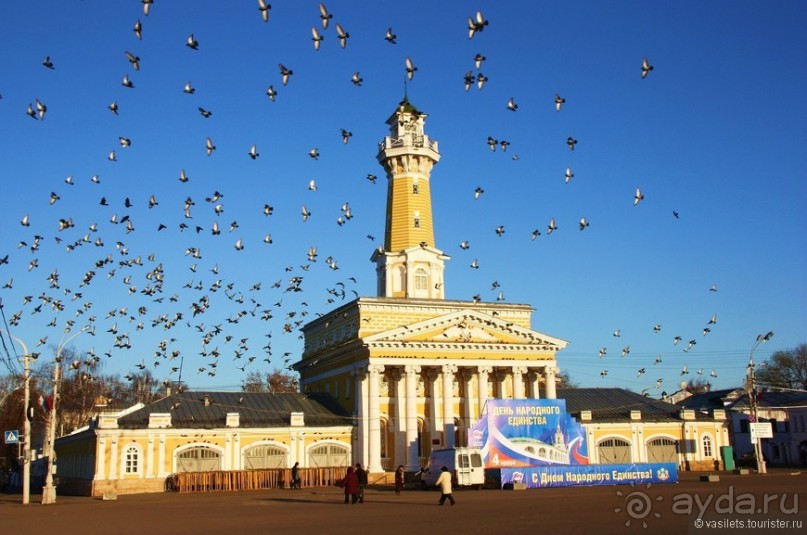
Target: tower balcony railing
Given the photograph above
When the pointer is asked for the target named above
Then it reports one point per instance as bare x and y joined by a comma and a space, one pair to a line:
407, 141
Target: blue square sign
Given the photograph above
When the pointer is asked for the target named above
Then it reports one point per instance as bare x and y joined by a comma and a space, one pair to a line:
11, 437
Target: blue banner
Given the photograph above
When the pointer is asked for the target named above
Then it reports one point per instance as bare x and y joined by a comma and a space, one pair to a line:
590, 475
528, 432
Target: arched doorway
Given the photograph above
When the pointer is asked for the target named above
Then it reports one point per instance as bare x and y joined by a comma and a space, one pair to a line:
662, 450
265, 456
198, 459
327, 455
614, 451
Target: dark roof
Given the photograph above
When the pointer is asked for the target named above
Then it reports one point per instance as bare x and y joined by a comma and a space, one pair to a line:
713, 399
772, 399
188, 410
615, 404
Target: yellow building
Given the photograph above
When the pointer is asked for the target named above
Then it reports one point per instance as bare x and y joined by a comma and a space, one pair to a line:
136, 450
414, 368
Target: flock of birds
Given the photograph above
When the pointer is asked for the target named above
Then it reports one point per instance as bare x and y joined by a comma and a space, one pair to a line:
149, 299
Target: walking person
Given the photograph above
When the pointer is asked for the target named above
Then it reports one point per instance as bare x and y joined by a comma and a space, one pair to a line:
295, 476
399, 480
444, 482
351, 484
361, 475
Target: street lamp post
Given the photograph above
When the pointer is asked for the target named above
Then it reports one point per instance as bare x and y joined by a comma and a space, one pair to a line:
49, 489
26, 423
751, 386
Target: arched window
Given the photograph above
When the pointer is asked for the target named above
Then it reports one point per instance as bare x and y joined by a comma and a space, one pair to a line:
265, 456
328, 455
131, 460
421, 279
417, 219
707, 445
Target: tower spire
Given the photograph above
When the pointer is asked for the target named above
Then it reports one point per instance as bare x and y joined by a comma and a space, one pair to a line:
409, 265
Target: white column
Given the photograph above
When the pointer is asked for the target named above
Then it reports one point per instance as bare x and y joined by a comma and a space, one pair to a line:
162, 470
360, 404
398, 425
550, 383
518, 381
435, 422
448, 405
113, 460
374, 421
535, 384
100, 460
467, 402
149, 471
482, 373
501, 377
412, 374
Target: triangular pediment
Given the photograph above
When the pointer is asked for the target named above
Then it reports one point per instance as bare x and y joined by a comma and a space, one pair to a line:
466, 327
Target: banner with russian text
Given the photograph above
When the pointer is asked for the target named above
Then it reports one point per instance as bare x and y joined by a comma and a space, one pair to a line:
528, 432
591, 475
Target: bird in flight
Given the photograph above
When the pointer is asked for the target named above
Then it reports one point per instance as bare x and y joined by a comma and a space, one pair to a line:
559, 101
285, 73
264, 8
552, 226
511, 104
192, 43
316, 37
342, 35
390, 37
271, 93
324, 15
646, 68
476, 24
638, 197
410, 68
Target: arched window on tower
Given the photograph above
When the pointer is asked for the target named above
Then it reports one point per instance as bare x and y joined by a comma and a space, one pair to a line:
421, 281
417, 219
415, 187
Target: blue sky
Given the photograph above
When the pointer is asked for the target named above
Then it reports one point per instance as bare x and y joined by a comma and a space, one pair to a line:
714, 133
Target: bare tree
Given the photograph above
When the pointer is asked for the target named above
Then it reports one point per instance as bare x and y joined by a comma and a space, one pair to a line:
276, 381
786, 369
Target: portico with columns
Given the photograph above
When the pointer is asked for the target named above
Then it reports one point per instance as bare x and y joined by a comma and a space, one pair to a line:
414, 368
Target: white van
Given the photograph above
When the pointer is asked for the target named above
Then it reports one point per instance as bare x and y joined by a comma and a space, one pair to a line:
465, 465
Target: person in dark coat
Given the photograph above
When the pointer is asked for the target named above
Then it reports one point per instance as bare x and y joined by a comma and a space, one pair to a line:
399, 479
295, 476
351, 484
361, 474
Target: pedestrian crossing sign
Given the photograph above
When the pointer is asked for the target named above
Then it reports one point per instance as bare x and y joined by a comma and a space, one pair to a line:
11, 437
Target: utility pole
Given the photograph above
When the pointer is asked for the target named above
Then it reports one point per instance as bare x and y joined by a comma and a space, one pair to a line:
751, 387
26, 423
26, 451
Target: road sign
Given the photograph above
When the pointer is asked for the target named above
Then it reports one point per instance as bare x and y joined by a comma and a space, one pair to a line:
761, 430
11, 437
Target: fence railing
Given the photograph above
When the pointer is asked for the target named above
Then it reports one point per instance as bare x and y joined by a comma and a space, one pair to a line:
234, 480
